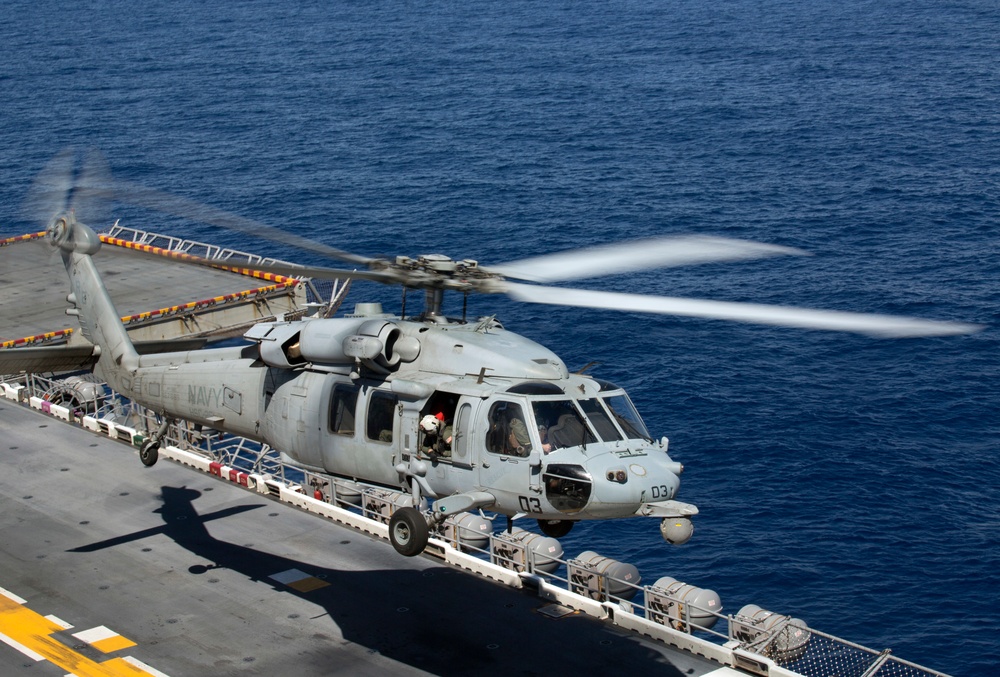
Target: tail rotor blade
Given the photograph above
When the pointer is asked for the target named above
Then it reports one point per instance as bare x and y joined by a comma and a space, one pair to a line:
94, 189
50, 191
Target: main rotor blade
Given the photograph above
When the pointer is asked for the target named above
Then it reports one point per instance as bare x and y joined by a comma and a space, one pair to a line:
277, 268
172, 204
317, 272
882, 326
663, 252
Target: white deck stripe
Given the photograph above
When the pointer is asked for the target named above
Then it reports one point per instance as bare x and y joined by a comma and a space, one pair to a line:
20, 647
60, 622
142, 666
11, 596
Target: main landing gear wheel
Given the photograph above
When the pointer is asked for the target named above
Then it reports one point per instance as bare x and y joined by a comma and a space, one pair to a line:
149, 452
555, 528
408, 531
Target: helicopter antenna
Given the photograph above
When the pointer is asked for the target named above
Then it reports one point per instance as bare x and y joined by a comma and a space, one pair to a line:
585, 368
337, 298
485, 323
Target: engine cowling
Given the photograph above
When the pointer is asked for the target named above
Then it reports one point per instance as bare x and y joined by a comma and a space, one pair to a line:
378, 344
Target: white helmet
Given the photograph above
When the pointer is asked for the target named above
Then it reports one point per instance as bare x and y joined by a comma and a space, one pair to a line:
429, 423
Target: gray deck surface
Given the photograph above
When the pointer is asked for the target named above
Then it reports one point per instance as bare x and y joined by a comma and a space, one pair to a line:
34, 286
181, 563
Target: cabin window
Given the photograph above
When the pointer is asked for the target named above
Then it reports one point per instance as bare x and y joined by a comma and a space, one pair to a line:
508, 433
343, 405
381, 411
461, 442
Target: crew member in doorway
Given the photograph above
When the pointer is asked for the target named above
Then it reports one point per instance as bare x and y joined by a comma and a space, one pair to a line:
437, 434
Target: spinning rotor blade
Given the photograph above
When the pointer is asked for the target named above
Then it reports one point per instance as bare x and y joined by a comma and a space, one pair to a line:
64, 185
59, 187
318, 272
93, 189
183, 207
49, 192
286, 269
663, 252
882, 326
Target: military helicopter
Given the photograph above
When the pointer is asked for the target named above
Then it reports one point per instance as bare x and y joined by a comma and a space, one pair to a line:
460, 414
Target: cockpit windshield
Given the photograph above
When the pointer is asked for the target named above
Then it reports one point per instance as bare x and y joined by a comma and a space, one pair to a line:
626, 416
567, 422
601, 421
560, 425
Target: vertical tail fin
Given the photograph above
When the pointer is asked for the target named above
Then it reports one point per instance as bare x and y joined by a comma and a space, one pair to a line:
100, 321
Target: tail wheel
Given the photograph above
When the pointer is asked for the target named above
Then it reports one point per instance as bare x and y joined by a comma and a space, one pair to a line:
149, 453
555, 528
408, 531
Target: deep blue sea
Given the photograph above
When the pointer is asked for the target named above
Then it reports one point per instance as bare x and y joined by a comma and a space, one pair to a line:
849, 481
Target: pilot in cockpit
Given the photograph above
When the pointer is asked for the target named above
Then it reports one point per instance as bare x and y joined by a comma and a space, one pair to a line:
543, 436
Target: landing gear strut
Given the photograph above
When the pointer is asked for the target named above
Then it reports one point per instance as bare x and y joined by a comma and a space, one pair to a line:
149, 451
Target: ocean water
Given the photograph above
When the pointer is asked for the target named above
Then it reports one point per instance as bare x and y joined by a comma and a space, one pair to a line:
849, 481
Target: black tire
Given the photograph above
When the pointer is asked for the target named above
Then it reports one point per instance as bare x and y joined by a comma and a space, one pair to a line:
149, 453
555, 528
408, 531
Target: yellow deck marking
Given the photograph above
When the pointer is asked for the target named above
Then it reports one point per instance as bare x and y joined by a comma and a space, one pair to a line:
33, 631
111, 644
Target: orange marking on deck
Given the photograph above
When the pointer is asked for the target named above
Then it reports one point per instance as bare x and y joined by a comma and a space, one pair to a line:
308, 584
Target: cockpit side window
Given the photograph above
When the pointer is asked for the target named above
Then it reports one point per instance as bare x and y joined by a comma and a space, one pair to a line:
508, 433
381, 410
343, 404
627, 417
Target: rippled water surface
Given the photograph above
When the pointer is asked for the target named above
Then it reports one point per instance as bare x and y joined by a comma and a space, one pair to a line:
849, 481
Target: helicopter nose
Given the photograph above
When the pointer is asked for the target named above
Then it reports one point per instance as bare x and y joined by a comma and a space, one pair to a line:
630, 482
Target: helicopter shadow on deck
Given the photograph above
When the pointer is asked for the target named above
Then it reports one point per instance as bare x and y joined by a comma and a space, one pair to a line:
437, 619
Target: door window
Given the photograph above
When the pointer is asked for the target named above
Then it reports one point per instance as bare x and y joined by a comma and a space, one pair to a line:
343, 405
381, 413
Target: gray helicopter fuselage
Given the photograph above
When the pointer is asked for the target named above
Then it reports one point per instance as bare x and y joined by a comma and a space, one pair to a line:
467, 414
360, 418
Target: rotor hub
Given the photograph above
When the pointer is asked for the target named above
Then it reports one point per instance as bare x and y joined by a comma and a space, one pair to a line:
439, 263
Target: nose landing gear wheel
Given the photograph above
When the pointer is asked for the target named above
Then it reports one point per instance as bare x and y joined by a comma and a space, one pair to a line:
408, 532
